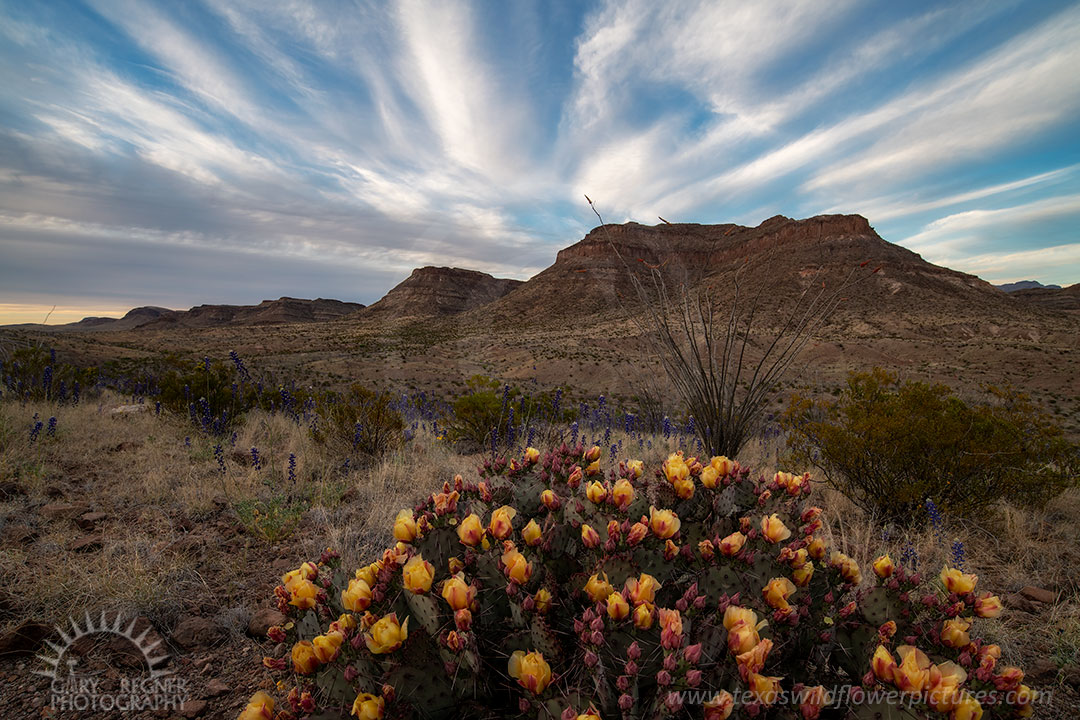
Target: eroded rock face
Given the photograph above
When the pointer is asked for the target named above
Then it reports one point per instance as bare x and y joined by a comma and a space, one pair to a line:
441, 291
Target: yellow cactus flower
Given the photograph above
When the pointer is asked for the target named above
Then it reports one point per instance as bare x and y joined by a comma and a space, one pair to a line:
598, 587
684, 488
765, 689
530, 670
304, 659
675, 468
368, 573
457, 593
470, 531
664, 523
945, 680
883, 566
642, 589
405, 528
988, 606
955, 581
954, 633
596, 492
637, 467
720, 706
326, 646
550, 499
644, 615
732, 544
593, 468
742, 637
259, 707
517, 568
622, 494
753, 660
722, 465
589, 536
368, 707
532, 455
912, 674
531, 533
502, 522
967, 708
710, 477
802, 574
776, 593
455, 565
816, 548
734, 615
590, 715
417, 575
849, 569
773, 529
356, 597
637, 533
387, 634
592, 454
304, 594
883, 664
617, 607
542, 600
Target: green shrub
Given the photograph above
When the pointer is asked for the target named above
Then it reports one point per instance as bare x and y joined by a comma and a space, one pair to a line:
33, 373
891, 445
493, 414
364, 420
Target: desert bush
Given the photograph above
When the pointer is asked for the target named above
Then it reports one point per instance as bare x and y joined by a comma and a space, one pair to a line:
549, 589
33, 373
364, 420
495, 416
891, 445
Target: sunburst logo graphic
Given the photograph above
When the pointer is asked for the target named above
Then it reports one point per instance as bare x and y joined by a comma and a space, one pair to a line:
74, 690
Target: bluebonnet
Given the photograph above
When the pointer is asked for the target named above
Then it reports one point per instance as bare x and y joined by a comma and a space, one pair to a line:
219, 455
51, 429
292, 467
958, 554
256, 461
35, 429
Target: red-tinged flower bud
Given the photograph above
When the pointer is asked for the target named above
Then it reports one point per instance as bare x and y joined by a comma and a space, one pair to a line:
350, 673
528, 604
693, 677
699, 601
631, 668
625, 702
637, 533
869, 679
670, 661
764, 497
524, 704
692, 653
597, 637
744, 525
663, 678
273, 663
276, 633
569, 714
591, 659
634, 651
847, 610
826, 636
965, 659
463, 619
575, 477
670, 550
673, 702
597, 624
681, 604
578, 626
910, 640
307, 703
829, 597
915, 578
512, 589
904, 597
609, 545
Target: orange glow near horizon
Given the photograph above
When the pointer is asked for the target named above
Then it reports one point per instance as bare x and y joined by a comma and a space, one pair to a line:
18, 313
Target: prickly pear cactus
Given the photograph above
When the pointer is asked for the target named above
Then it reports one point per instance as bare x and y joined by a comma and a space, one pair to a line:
550, 588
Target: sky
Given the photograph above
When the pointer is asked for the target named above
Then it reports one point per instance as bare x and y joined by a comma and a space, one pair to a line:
180, 153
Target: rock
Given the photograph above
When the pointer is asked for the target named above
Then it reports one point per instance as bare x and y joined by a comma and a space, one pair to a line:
197, 633
87, 543
441, 291
125, 410
17, 534
193, 708
1042, 671
25, 638
215, 687
1016, 601
61, 510
10, 489
1039, 594
262, 620
88, 521
1072, 675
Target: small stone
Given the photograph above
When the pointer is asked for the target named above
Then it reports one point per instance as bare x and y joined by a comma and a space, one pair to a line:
1042, 670
88, 521
1039, 594
62, 510
17, 534
1016, 601
87, 543
1072, 675
24, 638
197, 633
263, 620
215, 687
193, 708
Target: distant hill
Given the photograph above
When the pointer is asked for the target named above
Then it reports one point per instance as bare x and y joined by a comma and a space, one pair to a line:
268, 312
1052, 298
440, 291
1026, 285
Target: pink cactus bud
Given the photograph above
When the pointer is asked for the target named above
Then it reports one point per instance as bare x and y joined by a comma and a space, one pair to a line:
699, 601
591, 659
869, 679
625, 702
673, 702
569, 714
826, 636
894, 583
634, 651
693, 678
965, 659
350, 673
910, 639
597, 624
631, 668
597, 637
528, 604
681, 605
670, 662
512, 589
622, 683
692, 653
449, 668
915, 578
588, 615
904, 597
663, 678
830, 598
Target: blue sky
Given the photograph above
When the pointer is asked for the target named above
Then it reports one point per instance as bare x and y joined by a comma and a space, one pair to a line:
181, 153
